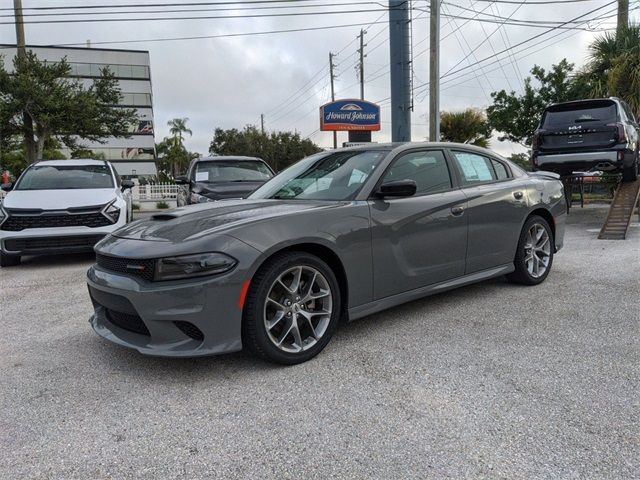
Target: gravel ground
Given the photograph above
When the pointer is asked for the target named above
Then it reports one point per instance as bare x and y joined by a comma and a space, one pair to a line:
489, 381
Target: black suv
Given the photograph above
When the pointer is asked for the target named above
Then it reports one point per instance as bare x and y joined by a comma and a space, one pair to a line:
216, 178
588, 135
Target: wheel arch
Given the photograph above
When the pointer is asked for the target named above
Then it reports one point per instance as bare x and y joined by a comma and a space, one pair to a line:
546, 214
326, 254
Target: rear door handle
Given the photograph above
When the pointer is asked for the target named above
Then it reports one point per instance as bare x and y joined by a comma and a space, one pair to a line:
457, 211
518, 195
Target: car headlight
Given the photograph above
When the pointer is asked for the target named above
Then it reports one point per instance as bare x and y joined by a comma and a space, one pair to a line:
198, 265
197, 198
111, 212
3, 215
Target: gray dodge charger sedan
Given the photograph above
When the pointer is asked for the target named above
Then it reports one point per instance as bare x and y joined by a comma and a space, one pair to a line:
337, 236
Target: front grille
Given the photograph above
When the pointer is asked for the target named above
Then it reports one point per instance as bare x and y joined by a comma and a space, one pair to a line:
143, 268
44, 244
131, 323
190, 330
19, 221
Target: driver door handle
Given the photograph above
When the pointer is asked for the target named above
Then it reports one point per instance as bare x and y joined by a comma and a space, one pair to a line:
457, 211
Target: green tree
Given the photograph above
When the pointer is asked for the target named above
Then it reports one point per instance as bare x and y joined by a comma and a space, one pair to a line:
468, 126
614, 66
173, 159
38, 102
278, 149
178, 127
516, 117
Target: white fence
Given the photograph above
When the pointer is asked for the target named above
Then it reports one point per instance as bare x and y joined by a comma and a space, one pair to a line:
153, 191
156, 191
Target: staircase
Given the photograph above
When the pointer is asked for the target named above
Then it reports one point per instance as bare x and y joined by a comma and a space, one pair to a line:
619, 217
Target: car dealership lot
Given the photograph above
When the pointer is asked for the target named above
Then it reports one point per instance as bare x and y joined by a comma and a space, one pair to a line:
492, 380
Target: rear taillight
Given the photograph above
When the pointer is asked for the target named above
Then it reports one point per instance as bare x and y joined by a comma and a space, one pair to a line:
620, 133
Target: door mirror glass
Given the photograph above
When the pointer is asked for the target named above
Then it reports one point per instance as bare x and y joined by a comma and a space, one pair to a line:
182, 180
397, 188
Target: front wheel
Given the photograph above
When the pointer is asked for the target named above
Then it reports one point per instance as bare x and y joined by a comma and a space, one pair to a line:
292, 308
534, 256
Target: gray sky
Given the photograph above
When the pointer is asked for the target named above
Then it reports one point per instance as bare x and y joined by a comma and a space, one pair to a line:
228, 82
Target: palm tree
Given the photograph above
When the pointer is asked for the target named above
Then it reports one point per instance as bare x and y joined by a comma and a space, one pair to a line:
177, 152
614, 66
468, 126
178, 128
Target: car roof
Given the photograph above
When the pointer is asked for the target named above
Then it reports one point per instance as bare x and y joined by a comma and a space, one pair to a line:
74, 162
227, 157
401, 146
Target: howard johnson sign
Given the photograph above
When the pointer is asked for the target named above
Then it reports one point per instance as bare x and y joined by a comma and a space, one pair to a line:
350, 115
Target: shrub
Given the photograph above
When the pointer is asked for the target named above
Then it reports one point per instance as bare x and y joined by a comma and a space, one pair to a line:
162, 205
135, 206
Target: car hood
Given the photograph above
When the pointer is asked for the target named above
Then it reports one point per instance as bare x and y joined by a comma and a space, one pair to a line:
58, 199
195, 221
221, 190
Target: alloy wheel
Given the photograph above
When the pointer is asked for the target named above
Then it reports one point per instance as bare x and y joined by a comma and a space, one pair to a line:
537, 250
297, 310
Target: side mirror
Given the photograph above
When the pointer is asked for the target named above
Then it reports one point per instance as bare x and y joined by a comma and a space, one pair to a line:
7, 187
182, 180
398, 188
127, 184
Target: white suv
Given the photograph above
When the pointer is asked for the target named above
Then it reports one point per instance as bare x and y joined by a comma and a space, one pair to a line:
61, 206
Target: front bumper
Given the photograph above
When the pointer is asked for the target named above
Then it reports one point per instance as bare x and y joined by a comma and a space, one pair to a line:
182, 318
42, 241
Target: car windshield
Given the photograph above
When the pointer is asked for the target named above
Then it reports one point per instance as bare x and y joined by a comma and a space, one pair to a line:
65, 177
335, 176
231, 171
562, 115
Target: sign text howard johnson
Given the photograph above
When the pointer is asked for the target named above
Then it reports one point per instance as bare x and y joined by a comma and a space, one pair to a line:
350, 115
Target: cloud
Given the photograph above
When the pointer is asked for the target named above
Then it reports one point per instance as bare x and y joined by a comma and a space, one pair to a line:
229, 82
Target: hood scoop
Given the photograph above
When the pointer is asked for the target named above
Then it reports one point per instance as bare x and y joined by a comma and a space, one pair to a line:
164, 216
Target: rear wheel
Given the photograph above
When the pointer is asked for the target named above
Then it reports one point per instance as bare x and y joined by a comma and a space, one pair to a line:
292, 308
534, 256
9, 260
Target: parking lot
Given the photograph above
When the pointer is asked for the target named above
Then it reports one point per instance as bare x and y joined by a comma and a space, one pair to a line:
493, 380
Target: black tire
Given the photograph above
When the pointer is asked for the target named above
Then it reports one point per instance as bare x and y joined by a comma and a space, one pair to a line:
521, 274
9, 260
631, 174
255, 337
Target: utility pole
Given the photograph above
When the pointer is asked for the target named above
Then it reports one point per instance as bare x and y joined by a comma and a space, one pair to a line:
19, 19
434, 72
400, 61
333, 93
623, 15
262, 123
362, 55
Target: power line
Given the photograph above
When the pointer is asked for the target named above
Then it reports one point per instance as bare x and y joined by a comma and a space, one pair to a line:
158, 5
204, 37
199, 17
188, 10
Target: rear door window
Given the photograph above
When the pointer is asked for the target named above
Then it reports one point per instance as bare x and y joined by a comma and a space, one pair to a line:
578, 114
474, 168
